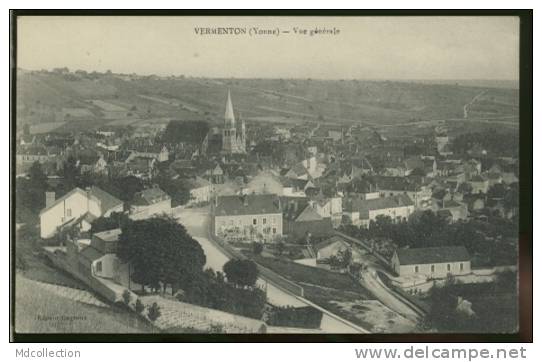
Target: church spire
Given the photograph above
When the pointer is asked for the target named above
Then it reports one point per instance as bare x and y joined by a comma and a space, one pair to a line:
229, 118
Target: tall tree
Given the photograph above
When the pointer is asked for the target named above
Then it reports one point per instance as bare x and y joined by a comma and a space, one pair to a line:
241, 272
160, 251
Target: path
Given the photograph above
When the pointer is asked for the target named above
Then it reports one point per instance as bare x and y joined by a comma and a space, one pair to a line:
196, 222
466, 106
370, 280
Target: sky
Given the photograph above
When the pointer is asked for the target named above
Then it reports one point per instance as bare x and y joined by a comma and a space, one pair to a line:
365, 48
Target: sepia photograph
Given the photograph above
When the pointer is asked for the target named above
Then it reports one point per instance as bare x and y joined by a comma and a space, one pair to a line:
269, 175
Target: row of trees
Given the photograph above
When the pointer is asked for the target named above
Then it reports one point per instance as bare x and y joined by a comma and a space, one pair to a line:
494, 306
496, 143
427, 229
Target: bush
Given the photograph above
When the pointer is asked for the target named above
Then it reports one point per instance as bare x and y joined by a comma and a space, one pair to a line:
257, 248
139, 307
126, 297
154, 312
212, 292
302, 317
20, 263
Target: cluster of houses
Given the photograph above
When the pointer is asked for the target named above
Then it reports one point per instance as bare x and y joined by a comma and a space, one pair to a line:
317, 178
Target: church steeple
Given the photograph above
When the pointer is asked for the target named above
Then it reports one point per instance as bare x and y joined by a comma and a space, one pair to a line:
229, 118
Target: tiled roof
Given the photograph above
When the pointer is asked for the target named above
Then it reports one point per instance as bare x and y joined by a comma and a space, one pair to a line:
440, 254
90, 254
150, 196
364, 206
396, 184
331, 240
247, 205
308, 214
107, 201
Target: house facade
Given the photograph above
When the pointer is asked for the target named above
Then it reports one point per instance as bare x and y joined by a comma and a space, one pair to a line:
200, 191
247, 217
433, 262
74, 205
361, 212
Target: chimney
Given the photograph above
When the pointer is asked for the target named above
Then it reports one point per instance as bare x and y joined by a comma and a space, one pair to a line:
49, 198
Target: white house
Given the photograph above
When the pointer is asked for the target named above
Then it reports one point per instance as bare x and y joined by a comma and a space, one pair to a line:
92, 202
433, 262
362, 212
200, 191
329, 207
247, 217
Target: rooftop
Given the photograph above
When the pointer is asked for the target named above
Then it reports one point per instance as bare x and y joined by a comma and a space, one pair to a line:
247, 205
439, 254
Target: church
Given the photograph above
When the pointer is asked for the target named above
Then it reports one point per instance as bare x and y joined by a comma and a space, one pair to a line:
233, 137
226, 140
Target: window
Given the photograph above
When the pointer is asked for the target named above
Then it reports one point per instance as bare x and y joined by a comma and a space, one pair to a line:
274, 230
68, 212
254, 221
416, 269
449, 267
461, 266
264, 221
99, 266
432, 268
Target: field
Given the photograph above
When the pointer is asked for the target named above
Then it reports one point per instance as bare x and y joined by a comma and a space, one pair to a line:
38, 310
312, 276
270, 100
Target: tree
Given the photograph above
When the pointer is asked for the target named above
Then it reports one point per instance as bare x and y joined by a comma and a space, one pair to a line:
154, 312
465, 188
281, 248
496, 191
345, 258
185, 131
127, 187
177, 189
257, 248
511, 198
30, 192
126, 297
139, 307
160, 251
241, 272
69, 173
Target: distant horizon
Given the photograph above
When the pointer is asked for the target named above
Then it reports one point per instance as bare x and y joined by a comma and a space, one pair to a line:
403, 80
263, 77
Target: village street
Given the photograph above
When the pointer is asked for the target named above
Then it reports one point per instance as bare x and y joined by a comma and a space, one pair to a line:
196, 222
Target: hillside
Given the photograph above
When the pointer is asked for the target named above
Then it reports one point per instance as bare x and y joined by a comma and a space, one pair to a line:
51, 100
38, 310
